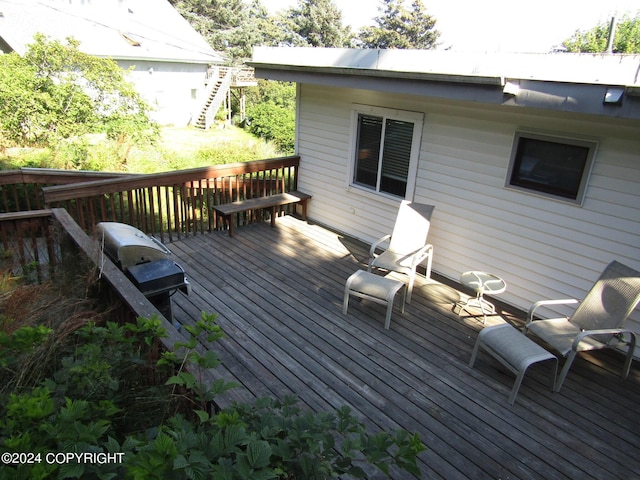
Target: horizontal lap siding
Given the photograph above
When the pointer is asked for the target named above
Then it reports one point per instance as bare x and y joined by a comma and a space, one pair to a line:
543, 248
324, 135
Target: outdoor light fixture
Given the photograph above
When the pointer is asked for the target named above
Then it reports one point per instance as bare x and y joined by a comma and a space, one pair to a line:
511, 87
613, 96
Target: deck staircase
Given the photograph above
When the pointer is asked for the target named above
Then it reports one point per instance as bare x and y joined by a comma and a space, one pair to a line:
215, 95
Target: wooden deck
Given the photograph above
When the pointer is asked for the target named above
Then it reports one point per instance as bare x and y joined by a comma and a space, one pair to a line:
278, 292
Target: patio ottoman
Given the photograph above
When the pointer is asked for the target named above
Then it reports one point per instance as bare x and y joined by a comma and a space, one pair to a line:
513, 350
373, 287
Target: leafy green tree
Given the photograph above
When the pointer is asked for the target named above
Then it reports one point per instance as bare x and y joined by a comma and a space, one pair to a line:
626, 39
56, 92
399, 27
316, 23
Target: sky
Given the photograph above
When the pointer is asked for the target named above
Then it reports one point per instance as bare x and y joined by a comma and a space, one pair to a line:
495, 25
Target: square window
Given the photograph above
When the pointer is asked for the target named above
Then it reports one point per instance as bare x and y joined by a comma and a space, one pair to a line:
551, 166
386, 150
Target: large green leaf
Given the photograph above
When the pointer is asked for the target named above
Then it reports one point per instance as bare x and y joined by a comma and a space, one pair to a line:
258, 454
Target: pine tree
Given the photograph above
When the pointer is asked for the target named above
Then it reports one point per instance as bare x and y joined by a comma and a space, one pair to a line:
399, 27
228, 25
316, 23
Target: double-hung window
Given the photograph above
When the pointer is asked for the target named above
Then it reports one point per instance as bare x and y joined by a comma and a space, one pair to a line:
387, 144
555, 167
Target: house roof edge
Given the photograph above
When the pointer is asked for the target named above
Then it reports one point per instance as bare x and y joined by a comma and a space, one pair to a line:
358, 71
460, 67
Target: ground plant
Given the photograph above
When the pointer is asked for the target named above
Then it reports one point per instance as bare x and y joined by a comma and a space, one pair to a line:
177, 148
78, 388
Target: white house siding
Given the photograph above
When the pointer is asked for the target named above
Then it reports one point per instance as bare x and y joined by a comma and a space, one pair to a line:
543, 248
168, 87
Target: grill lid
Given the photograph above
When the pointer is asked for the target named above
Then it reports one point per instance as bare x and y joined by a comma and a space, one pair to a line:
127, 246
157, 277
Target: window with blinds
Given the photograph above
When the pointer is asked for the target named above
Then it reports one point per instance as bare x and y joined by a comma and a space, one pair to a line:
383, 153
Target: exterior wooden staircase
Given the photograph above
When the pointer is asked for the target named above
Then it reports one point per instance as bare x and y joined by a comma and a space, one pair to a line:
215, 95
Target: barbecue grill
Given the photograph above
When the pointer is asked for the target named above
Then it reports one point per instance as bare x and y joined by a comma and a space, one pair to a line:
146, 262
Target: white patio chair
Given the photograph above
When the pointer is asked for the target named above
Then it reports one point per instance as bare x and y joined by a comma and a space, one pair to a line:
596, 323
408, 245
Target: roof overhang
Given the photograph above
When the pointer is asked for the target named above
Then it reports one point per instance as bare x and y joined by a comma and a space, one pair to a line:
377, 73
560, 82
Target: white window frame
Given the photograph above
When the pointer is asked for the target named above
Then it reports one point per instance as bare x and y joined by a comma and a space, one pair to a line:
589, 143
417, 118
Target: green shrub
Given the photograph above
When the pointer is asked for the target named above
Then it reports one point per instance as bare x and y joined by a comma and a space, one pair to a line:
229, 152
274, 123
73, 154
271, 439
282, 94
181, 148
111, 393
26, 157
20, 343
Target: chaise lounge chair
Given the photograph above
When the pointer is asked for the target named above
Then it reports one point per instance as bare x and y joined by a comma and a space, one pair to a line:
408, 245
596, 323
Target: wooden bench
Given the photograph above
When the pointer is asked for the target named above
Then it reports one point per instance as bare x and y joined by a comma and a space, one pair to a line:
227, 210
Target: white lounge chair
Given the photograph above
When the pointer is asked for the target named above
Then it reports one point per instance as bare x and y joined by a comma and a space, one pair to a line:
596, 323
408, 245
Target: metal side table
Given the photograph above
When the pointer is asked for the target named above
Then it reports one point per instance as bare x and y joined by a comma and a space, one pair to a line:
481, 283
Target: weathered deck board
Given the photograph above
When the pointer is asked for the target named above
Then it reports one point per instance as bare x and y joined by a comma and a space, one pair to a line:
278, 293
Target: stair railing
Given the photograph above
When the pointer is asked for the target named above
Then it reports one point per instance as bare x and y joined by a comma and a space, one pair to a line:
215, 95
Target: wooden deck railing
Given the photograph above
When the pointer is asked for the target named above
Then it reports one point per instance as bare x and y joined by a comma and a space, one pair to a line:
22, 189
28, 240
173, 204
53, 244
